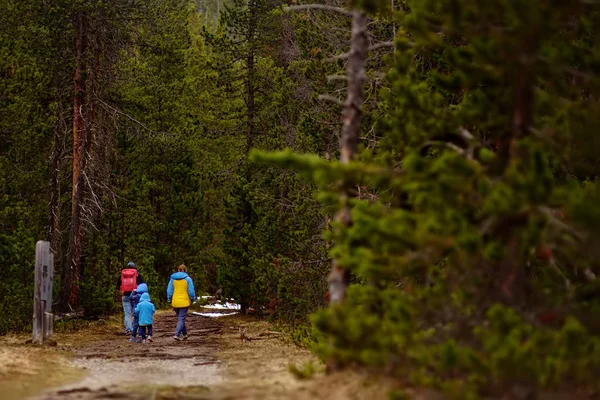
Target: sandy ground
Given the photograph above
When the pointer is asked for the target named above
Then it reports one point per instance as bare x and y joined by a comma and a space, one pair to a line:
99, 362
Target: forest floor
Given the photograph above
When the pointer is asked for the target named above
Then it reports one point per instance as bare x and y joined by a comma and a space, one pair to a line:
98, 362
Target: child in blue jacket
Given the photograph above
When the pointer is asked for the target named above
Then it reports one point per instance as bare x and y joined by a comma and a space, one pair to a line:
145, 310
134, 299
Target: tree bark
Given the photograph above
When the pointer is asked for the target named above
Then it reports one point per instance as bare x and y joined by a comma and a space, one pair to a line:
250, 88
351, 129
79, 156
52, 234
510, 273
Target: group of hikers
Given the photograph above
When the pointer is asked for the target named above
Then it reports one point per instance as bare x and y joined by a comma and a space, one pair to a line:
139, 309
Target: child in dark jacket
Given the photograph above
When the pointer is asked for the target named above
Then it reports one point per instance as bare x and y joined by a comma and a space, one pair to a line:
145, 309
134, 299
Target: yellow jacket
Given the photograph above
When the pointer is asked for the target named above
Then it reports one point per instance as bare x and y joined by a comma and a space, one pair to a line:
180, 291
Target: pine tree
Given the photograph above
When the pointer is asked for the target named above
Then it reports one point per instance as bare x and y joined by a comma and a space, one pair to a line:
30, 112
463, 247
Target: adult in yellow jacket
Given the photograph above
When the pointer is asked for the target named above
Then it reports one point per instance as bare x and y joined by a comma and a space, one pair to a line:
181, 295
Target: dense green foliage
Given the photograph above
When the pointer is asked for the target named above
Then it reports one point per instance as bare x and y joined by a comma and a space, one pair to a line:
474, 249
168, 180
474, 239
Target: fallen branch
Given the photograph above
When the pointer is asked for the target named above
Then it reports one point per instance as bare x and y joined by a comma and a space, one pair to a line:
270, 333
71, 315
206, 363
262, 336
209, 330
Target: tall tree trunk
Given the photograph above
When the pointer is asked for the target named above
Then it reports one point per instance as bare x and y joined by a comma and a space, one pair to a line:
351, 129
250, 85
79, 156
217, 16
53, 232
510, 275
250, 95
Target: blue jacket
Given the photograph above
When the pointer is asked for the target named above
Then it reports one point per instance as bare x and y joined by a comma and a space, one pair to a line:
190, 286
145, 309
134, 297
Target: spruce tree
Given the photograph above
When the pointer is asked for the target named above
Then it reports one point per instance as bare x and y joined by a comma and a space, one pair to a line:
464, 249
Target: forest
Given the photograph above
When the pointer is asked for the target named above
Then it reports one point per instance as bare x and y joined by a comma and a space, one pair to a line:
413, 186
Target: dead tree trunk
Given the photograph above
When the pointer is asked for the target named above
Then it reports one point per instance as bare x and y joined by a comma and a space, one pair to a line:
79, 157
351, 129
52, 234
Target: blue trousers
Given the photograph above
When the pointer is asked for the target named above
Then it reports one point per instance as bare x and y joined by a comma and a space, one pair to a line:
127, 312
136, 321
181, 316
142, 329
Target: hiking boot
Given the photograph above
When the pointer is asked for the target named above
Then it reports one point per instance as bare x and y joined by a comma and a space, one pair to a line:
176, 338
128, 332
143, 341
185, 336
150, 339
139, 340
132, 339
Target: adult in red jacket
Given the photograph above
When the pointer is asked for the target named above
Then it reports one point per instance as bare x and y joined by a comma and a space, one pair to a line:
128, 281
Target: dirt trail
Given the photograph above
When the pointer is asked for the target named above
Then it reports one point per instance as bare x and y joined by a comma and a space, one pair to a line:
213, 364
117, 368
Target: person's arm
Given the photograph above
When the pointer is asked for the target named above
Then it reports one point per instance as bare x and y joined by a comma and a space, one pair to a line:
137, 309
153, 309
139, 279
132, 297
170, 290
191, 291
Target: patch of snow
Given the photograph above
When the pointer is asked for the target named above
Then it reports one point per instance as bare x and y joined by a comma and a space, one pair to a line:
213, 314
226, 306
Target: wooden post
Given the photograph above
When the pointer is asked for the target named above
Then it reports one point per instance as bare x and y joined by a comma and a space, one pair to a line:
42, 293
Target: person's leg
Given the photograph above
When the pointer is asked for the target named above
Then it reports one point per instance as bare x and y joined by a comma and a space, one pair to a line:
135, 326
127, 313
176, 336
177, 315
142, 329
150, 333
183, 313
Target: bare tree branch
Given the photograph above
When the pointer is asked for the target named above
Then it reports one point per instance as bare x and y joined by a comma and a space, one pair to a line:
337, 78
344, 56
381, 45
333, 99
115, 110
318, 7
452, 146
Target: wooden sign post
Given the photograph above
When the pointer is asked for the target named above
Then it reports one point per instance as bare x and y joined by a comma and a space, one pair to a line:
43, 319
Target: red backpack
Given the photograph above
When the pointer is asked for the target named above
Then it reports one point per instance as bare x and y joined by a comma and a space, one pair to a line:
128, 280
